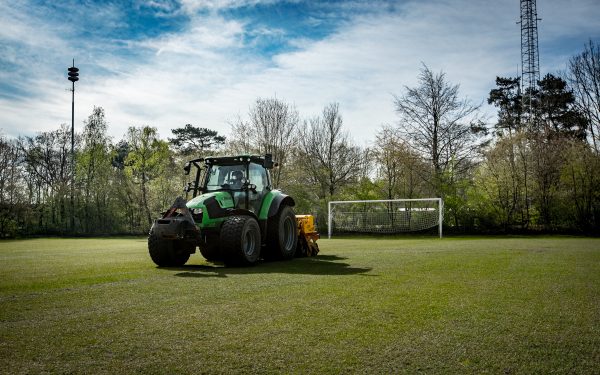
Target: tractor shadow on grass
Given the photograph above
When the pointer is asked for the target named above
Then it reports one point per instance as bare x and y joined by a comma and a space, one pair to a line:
320, 265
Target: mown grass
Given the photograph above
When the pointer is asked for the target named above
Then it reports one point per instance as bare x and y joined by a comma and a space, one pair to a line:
457, 305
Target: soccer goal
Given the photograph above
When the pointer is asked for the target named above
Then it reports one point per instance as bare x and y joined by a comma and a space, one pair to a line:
385, 216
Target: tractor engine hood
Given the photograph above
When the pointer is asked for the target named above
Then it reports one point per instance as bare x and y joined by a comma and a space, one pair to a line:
208, 209
222, 198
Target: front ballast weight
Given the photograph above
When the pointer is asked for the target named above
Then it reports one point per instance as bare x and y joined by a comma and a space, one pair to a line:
174, 236
234, 216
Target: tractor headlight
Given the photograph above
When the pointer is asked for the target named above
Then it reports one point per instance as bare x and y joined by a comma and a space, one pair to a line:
197, 214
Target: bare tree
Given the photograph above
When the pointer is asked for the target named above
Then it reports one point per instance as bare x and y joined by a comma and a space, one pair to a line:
399, 167
12, 199
584, 77
327, 155
94, 171
438, 124
48, 168
148, 153
503, 180
271, 129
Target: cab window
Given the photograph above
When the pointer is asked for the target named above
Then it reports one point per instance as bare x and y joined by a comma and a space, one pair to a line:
258, 176
225, 177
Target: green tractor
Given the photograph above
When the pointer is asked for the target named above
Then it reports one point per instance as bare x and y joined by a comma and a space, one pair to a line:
235, 216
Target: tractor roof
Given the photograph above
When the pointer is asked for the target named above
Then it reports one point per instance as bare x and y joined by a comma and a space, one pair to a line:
265, 160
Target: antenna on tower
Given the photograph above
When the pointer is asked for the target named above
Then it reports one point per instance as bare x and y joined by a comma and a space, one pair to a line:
530, 59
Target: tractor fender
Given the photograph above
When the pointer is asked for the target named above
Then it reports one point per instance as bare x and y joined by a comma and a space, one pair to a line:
277, 202
241, 211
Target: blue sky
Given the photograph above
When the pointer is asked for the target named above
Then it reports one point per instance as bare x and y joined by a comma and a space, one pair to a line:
166, 63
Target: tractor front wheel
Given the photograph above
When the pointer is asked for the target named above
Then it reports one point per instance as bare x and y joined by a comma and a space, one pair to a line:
282, 235
240, 240
168, 253
210, 248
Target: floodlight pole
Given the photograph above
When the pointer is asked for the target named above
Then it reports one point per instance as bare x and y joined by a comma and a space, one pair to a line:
73, 155
73, 76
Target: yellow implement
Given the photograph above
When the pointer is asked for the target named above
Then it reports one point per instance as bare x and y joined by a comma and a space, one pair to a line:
307, 236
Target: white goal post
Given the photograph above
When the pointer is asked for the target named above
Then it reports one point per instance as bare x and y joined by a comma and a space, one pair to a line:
386, 216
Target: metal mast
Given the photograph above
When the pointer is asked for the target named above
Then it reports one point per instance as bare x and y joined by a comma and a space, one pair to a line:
73, 77
530, 59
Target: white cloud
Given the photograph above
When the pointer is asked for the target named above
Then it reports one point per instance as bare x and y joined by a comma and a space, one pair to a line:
204, 36
206, 74
374, 57
193, 6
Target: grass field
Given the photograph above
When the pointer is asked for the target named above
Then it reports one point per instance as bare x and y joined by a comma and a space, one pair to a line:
457, 305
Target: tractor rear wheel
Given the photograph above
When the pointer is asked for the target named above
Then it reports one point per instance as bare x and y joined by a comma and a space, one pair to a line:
282, 235
168, 253
240, 240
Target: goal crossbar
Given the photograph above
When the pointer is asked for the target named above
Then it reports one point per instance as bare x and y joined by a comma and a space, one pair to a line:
383, 220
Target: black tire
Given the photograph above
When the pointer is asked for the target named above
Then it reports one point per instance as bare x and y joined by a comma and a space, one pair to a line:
210, 248
240, 240
168, 253
182, 251
282, 235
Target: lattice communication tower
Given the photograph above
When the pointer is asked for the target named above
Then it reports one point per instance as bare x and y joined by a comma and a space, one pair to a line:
530, 59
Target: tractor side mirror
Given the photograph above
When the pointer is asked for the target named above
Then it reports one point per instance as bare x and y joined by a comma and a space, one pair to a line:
268, 163
187, 168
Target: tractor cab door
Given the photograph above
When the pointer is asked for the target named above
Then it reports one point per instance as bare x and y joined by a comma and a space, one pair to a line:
257, 175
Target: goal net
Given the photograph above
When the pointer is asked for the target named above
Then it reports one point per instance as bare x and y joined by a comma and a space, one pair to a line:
385, 216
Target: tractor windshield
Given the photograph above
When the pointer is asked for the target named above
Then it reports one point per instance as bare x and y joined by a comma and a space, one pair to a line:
229, 177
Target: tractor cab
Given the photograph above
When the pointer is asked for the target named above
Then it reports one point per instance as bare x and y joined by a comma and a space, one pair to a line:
246, 178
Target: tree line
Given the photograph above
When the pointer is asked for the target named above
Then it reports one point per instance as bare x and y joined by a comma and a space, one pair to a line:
536, 169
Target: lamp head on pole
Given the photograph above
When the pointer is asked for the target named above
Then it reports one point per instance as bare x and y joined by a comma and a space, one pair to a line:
73, 73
